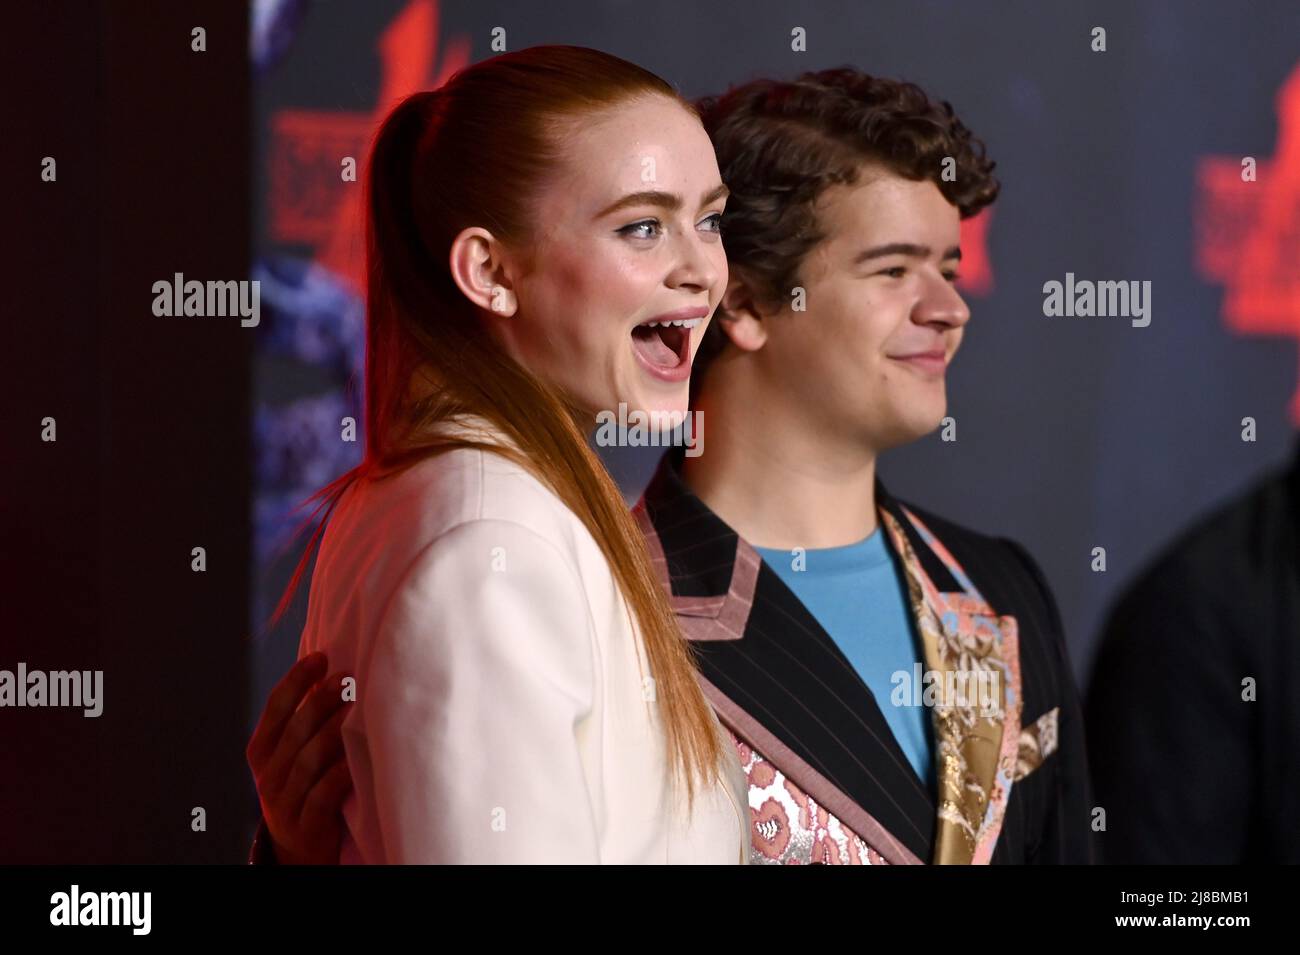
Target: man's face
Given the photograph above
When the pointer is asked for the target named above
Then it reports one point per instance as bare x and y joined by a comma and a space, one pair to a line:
867, 359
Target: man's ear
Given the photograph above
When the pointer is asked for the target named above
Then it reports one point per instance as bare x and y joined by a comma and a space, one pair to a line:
741, 316
478, 267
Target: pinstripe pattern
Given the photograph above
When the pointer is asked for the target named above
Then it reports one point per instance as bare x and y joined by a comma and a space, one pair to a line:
779, 667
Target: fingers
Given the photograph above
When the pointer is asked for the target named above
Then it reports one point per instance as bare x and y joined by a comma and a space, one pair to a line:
312, 762
320, 830
280, 707
322, 810
320, 705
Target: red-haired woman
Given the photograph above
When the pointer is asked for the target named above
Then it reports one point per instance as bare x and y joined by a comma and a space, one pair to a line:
542, 246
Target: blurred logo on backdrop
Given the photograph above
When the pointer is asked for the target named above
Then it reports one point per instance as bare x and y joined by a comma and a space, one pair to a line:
307, 426
1248, 231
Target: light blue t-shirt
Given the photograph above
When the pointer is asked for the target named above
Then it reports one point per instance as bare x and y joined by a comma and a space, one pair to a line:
858, 596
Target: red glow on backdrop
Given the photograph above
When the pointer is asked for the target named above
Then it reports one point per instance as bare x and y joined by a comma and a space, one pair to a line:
976, 272
307, 146
1248, 233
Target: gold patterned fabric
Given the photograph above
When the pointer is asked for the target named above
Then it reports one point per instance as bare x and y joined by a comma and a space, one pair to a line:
977, 735
1037, 741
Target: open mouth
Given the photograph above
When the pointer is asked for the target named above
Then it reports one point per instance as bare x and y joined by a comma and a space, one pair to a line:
664, 348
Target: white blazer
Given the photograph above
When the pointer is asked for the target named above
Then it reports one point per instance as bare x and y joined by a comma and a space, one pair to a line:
502, 709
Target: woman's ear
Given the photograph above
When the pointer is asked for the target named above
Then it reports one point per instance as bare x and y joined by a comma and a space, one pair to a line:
478, 268
740, 315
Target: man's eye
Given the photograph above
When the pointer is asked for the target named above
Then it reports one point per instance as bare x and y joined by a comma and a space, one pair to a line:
951, 276
645, 229
713, 223
897, 272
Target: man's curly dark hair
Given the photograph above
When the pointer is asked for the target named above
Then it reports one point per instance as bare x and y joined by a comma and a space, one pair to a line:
781, 144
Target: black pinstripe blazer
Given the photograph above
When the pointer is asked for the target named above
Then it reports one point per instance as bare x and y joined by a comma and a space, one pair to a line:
820, 716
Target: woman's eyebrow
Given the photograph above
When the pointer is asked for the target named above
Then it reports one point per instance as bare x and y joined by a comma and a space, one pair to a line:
665, 200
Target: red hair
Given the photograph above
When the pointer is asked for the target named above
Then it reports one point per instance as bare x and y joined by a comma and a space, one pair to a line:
473, 153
